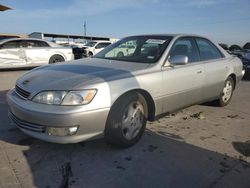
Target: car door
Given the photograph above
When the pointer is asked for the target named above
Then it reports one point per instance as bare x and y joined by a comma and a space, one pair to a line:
215, 66
12, 54
37, 52
182, 83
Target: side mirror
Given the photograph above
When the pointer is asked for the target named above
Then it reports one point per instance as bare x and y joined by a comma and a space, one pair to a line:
179, 60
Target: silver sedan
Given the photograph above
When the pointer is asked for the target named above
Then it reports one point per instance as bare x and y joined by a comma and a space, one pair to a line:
116, 92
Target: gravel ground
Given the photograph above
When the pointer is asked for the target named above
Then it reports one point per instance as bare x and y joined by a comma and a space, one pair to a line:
201, 146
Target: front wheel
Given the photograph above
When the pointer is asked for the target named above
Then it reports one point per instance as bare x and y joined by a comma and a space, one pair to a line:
127, 120
226, 93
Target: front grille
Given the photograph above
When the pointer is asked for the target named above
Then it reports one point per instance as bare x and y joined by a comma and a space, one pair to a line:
21, 92
26, 125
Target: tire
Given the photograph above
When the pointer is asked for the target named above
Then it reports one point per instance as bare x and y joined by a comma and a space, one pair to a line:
120, 54
226, 93
127, 120
90, 54
56, 59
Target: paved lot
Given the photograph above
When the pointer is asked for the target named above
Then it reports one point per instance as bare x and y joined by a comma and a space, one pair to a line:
186, 149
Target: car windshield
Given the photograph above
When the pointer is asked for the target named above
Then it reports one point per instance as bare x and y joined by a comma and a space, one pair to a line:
141, 49
91, 44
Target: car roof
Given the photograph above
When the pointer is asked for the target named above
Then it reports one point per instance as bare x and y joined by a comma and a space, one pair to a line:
100, 41
13, 39
17, 38
170, 35
34, 39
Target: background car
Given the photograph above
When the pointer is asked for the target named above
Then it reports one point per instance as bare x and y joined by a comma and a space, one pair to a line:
224, 46
235, 50
28, 52
244, 55
94, 47
247, 46
246, 59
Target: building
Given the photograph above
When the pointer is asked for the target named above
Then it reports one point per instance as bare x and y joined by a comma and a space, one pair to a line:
7, 36
3, 8
68, 39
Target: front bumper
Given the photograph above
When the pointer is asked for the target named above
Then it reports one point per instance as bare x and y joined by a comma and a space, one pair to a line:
33, 119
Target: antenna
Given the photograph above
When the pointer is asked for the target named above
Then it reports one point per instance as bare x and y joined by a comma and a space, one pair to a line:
85, 28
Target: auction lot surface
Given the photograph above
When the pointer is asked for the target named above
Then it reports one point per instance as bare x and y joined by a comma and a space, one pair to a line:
186, 149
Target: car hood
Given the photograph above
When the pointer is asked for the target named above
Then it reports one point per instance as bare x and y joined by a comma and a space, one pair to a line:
78, 74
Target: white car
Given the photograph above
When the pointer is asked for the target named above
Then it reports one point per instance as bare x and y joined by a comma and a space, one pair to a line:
94, 47
28, 52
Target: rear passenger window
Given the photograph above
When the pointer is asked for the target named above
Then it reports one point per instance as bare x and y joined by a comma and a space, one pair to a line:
41, 44
35, 44
207, 50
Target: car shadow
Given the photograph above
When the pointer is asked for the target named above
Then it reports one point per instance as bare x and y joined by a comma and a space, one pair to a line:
17, 69
159, 159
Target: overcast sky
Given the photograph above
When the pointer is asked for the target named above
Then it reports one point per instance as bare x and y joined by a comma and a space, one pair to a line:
225, 21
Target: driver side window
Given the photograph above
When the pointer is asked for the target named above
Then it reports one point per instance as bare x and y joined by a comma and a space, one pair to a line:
185, 47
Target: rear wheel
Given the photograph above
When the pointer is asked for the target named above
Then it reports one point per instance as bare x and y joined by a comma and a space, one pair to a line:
90, 54
127, 120
120, 54
226, 93
56, 59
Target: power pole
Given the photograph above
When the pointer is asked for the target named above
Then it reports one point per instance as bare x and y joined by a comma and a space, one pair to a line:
85, 28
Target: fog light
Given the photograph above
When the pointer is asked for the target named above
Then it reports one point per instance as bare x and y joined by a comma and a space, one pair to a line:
62, 131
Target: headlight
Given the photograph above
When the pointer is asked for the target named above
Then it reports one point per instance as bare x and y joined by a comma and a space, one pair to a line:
50, 97
65, 97
79, 97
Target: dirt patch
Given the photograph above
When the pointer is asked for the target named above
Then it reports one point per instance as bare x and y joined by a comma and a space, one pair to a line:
199, 115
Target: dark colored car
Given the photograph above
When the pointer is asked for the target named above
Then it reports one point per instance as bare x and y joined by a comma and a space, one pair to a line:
243, 54
235, 50
224, 46
246, 58
246, 62
78, 52
247, 46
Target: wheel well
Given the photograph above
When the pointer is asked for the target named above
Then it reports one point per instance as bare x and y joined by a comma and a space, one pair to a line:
57, 55
149, 100
233, 76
